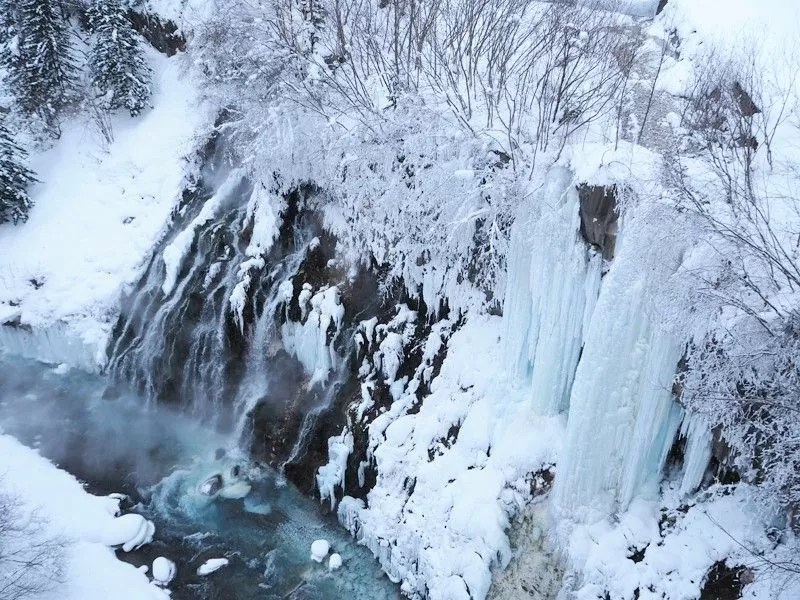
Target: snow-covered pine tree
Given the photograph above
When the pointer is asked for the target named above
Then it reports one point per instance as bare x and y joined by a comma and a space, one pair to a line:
14, 180
7, 14
43, 73
119, 70
9, 40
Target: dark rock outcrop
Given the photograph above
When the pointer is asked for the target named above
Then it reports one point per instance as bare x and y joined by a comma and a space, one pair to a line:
599, 215
163, 35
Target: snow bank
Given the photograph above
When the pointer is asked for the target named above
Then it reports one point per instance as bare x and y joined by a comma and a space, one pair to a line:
88, 523
665, 549
98, 213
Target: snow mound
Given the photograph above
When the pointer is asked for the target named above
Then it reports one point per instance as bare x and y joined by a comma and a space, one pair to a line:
163, 571
319, 550
211, 565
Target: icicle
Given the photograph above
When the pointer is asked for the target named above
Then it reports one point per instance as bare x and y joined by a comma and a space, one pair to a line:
552, 289
53, 344
312, 341
697, 452
331, 475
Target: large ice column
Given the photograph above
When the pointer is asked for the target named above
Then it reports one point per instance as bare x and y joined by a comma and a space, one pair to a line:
553, 282
622, 416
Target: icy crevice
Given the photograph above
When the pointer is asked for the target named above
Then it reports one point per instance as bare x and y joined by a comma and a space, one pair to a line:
553, 283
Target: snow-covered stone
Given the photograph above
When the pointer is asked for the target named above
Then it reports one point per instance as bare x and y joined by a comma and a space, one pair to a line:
163, 571
319, 550
334, 562
212, 565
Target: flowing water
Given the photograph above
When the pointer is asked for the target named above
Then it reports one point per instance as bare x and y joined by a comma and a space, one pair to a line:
116, 443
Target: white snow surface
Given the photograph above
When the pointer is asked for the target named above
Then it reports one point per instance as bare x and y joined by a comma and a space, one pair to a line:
212, 565
98, 212
88, 523
438, 514
680, 541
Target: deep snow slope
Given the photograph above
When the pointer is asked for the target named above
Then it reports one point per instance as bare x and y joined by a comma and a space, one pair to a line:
99, 209
85, 526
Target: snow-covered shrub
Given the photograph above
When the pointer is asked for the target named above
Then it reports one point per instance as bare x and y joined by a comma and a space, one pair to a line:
737, 179
422, 123
31, 561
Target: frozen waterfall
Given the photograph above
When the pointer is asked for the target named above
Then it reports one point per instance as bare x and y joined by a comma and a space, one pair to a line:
553, 282
622, 415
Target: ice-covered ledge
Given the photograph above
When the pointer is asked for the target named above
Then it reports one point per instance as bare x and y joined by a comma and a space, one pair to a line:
52, 343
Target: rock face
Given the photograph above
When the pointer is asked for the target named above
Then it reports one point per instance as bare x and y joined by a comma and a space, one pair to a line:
599, 215
164, 36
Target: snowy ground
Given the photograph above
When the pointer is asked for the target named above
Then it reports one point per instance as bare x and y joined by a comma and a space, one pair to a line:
85, 524
664, 549
451, 475
98, 211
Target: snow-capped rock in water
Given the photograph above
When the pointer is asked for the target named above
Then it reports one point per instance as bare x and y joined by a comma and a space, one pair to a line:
334, 562
129, 532
164, 571
211, 566
319, 550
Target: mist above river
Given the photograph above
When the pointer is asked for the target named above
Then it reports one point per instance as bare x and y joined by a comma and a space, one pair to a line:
161, 459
